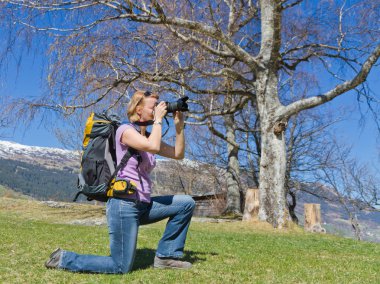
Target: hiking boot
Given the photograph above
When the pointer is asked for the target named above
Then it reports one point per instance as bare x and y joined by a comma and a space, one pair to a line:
54, 259
170, 263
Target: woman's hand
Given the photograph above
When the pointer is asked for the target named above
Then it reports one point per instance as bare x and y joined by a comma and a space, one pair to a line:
179, 120
160, 111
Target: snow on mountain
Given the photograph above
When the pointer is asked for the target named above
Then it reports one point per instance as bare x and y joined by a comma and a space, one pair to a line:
11, 148
45, 156
60, 158
184, 162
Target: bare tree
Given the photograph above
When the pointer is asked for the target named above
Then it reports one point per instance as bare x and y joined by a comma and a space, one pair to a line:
177, 45
210, 144
355, 186
228, 144
3, 118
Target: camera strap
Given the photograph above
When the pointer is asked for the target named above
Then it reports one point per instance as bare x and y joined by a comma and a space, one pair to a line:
144, 123
150, 122
167, 128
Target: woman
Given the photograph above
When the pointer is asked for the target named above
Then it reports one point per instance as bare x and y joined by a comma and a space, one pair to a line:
124, 215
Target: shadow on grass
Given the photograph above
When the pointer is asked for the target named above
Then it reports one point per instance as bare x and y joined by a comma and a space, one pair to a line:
145, 257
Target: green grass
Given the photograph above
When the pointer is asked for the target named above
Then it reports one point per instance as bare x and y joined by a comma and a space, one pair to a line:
220, 252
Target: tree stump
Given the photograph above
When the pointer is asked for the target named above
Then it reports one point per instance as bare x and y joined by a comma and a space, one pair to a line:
252, 203
313, 218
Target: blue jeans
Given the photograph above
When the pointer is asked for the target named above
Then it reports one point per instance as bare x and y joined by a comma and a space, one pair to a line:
124, 217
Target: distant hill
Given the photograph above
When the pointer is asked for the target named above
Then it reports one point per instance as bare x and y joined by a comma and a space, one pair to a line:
37, 181
50, 174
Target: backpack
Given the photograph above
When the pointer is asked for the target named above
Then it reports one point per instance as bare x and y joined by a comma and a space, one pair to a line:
97, 178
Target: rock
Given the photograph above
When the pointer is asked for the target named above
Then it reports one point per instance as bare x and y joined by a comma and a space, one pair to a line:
212, 220
89, 222
317, 228
55, 204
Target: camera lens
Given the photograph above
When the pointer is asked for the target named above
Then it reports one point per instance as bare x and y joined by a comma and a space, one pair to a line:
172, 107
179, 105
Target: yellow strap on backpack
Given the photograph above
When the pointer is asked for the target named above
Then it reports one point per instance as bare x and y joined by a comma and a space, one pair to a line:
88, 129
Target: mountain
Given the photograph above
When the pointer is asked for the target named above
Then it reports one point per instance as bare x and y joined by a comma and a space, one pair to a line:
51, 158
50, 174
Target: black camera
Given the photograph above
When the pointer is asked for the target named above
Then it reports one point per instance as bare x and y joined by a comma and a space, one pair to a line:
179, 105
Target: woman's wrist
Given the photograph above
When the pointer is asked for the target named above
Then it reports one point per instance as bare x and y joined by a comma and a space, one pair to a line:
157, 122
179, 128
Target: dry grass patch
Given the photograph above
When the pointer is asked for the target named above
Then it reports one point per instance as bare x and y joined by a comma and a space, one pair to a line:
37, 210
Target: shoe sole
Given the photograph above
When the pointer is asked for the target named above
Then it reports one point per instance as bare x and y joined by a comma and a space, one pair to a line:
51, 258
170, 267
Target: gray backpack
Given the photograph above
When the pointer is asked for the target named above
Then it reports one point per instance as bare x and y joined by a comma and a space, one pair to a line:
97, 177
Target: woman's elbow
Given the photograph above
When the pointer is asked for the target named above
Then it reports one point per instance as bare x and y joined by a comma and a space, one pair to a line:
154, 149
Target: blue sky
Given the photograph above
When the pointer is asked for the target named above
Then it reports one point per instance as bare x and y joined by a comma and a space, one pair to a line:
28, 82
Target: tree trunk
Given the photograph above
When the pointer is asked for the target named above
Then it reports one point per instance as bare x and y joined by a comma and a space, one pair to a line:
289, 186
273, 207
252, 204
292, 206
356, 226
313, 218
234, 195
312, 215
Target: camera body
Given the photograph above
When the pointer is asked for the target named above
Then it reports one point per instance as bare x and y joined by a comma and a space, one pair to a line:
179, 105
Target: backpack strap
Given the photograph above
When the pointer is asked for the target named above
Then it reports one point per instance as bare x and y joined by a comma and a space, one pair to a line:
139, 160
79, 192
130, 152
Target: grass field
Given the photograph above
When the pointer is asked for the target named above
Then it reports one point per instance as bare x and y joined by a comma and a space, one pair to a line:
220, 252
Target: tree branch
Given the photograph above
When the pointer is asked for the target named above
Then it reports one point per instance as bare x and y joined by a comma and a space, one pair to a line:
287, 6
231, 110
215, 132
293, 108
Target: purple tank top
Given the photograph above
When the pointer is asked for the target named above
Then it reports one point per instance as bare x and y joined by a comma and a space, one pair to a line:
131, 172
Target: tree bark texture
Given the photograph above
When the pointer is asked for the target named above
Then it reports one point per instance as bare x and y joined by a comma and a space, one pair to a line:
234, 195
273, 207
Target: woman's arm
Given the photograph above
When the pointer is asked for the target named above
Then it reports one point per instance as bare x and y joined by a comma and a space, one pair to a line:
134, 139
152, 144
178, 151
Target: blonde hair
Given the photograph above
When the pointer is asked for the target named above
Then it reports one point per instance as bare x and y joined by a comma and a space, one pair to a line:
138, 99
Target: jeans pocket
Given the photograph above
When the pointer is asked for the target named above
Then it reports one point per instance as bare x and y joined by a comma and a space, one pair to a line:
128, 203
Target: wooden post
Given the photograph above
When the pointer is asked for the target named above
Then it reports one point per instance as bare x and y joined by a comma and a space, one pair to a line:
313, 218
252, 203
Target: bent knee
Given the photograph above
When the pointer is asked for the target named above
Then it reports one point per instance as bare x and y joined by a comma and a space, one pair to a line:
124, 269
189, 202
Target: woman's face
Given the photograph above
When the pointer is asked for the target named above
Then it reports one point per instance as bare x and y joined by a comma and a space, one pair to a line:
146, 112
